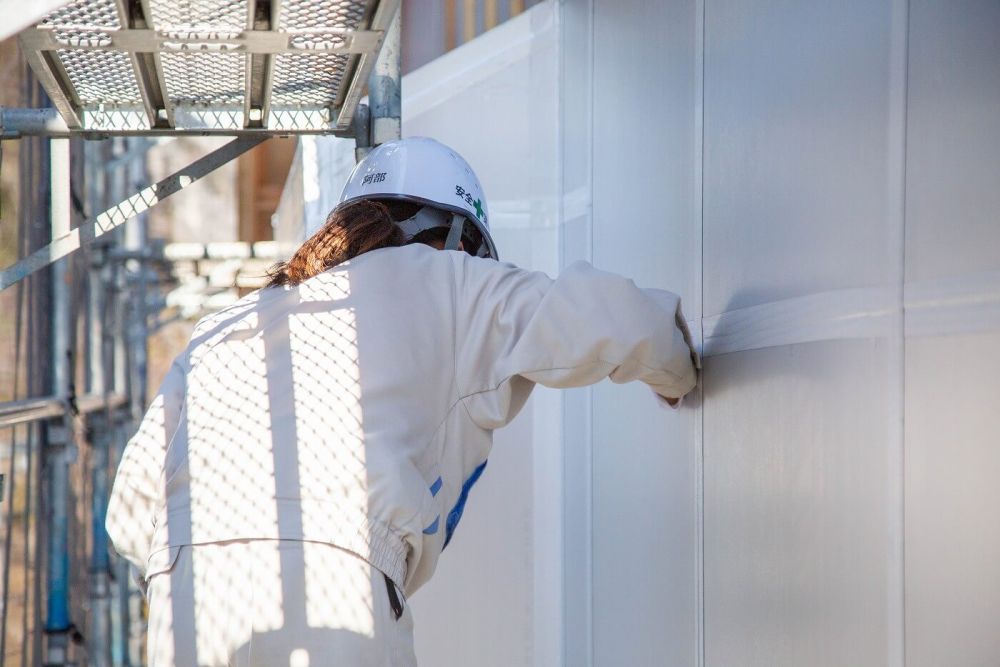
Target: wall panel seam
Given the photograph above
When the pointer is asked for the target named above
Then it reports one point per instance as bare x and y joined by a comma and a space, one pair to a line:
700, 217
904, 325
896, 587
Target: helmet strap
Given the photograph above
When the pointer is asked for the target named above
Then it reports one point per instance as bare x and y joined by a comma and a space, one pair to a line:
426, 218
455, 233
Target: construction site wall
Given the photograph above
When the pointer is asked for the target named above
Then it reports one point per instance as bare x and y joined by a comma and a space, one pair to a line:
817, 181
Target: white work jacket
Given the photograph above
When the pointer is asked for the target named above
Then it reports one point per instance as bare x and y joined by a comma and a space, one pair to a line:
358, 408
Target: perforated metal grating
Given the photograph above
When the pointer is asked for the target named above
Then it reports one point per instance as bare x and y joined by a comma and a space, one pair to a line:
204, 65
199, 18
307, 79
101, 77
84, 23
317, 27
205, 79
84, 14
307, 15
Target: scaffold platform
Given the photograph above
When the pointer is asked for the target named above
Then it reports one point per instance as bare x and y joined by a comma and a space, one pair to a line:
206, 66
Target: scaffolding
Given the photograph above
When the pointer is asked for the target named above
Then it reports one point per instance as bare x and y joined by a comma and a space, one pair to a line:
106, 75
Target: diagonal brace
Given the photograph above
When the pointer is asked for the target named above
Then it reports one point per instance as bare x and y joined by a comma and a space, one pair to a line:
127, 209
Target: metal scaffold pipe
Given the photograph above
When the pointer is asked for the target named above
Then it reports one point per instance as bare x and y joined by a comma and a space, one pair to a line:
59, 445
99, 636
99, 647
136, 241
15, 123
28, 410
384, 91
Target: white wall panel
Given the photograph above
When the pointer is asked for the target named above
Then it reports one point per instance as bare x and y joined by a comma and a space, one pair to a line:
953, 139
952, 265
803, 166
646, 185
796, 153
575, 128
796, 506
646, 226
952, 496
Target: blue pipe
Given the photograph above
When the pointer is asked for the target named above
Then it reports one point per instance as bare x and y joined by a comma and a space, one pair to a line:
57, 617
100, 560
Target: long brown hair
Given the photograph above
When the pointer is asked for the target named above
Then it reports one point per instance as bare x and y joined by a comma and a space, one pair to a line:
348, 232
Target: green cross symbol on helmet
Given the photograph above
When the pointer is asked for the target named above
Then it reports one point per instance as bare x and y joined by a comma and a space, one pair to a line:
479, 208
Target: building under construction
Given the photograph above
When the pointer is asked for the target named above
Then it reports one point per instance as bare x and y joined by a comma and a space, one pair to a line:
816, 180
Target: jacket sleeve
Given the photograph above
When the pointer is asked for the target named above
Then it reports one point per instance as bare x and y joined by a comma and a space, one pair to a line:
137, 489
516, 328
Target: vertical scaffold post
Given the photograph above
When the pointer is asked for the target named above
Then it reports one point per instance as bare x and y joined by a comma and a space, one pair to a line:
129, 382
384, 91
127, 606
99, 636
99, 628
127, 650
362, 132
138, 273
59, 446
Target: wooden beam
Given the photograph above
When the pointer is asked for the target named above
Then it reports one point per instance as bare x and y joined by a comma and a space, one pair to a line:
492, 9
450, 24
469, 20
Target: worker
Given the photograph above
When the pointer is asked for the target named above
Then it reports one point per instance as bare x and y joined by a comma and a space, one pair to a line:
309, 455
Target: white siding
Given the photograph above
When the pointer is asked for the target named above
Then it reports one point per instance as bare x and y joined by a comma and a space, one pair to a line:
801, 199
798, 172
645, 226
849, 154
953, 329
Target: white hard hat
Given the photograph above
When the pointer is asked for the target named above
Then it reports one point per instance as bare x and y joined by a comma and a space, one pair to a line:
424, 171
